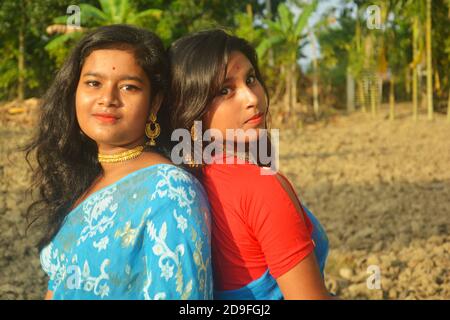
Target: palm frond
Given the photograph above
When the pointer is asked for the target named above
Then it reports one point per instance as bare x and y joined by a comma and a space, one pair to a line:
91, 15
304, 17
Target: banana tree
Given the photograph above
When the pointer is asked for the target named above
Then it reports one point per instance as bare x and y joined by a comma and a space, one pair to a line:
284, 36
246, 29
110, 12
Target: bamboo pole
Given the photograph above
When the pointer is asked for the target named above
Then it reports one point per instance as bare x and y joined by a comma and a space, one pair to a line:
21, 57
448, 106
429, 66
414, 67
392, 98
315, 77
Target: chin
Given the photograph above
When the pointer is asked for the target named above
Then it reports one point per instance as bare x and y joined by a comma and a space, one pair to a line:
251, 135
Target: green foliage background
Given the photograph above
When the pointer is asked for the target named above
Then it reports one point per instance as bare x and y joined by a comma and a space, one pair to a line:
280, 37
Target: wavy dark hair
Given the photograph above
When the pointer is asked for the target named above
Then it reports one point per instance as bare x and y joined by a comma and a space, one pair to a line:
67, 161
198, 67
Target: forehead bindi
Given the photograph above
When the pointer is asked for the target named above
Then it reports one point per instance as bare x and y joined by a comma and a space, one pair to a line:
112, 60
113, 64
238, 64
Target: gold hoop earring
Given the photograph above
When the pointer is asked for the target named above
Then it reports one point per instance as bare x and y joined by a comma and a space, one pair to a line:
152, 134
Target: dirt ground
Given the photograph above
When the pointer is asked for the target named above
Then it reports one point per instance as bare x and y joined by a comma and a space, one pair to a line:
380, 188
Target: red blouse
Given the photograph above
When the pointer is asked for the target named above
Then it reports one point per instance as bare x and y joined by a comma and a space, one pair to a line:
255, 225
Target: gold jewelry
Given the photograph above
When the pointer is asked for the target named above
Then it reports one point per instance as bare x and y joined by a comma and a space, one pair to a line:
193, 133
191, 162
189, 159
243, 156
152, 134
121, 156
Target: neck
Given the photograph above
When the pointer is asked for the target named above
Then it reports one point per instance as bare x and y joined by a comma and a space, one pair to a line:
116, 158
107, 149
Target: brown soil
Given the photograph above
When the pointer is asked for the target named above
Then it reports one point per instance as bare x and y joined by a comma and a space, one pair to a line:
382, 191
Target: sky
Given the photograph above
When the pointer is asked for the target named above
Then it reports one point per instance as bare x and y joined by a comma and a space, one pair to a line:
323, 6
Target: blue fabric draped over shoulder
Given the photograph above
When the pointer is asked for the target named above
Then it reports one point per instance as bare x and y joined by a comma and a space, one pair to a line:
147, 236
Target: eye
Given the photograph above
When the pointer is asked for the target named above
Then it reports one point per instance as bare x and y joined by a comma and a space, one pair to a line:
224, 91
251, 79
93, 83
130, 87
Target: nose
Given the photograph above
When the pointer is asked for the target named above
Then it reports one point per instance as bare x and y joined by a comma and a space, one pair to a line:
249, 98
109, 96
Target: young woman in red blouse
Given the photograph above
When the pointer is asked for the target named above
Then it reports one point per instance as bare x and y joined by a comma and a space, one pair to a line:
265, 244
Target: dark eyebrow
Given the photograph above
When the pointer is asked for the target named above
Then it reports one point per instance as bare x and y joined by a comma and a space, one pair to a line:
249, 71
132, 78
125, 77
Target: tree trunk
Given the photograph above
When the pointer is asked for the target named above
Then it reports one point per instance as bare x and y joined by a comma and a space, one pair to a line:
294, 86
269, 17
448, 106
293, 93
429, 66
392, 99
414, 67
287, 96
21, 58
350, 92
315, 97
415, 94
277, 96
362, 97
408, 81
285, 109
315, 77
373, 87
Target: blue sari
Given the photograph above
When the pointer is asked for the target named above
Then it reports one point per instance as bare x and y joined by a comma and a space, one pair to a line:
147, 236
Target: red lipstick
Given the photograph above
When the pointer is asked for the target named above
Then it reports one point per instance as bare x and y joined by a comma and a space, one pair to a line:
106, 118
256, 119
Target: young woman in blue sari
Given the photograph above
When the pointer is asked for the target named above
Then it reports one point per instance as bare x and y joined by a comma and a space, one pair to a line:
122, 222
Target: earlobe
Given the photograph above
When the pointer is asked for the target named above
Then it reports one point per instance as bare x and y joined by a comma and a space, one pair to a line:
155, 104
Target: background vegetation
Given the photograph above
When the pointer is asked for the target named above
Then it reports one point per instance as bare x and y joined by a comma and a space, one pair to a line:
402, 56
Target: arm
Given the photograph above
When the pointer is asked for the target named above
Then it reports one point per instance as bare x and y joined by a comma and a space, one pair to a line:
49, 295
303, 282
284, 233
177, 247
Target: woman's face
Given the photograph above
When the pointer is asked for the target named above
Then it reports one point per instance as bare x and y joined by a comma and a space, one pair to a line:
113, 99
241, 103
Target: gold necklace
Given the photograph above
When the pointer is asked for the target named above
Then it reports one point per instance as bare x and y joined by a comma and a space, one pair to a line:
244, 156
121, 156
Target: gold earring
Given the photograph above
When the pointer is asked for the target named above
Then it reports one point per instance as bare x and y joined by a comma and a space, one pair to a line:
193, 133
189, 159
152, 134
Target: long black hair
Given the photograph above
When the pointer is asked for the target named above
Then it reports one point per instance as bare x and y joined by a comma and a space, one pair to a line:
198, 68
67, 161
